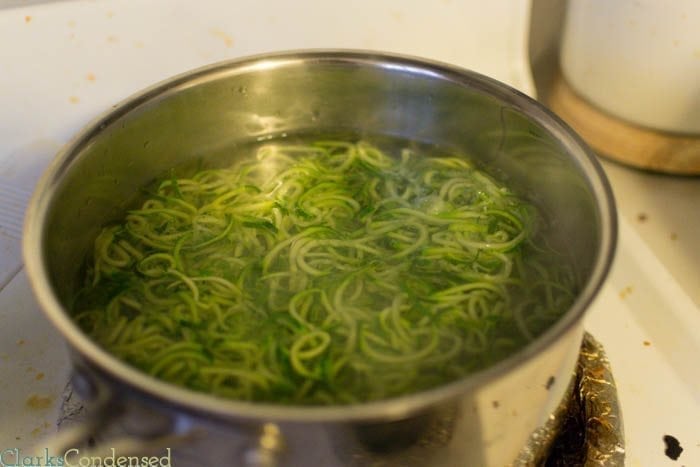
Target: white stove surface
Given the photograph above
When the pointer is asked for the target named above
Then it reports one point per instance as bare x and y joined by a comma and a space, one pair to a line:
63, 63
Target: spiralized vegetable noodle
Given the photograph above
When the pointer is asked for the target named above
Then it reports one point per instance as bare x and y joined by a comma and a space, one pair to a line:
324, 273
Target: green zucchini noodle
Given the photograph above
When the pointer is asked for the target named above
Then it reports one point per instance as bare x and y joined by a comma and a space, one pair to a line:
323, 273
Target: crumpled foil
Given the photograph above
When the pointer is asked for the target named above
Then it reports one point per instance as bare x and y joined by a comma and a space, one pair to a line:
586, 429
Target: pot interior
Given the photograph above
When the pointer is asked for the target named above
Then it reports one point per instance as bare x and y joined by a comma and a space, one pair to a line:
207, 115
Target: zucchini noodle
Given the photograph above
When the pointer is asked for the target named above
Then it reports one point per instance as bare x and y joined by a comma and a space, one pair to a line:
324, 273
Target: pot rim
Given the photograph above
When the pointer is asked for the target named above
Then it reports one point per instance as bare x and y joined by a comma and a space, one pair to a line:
392, 408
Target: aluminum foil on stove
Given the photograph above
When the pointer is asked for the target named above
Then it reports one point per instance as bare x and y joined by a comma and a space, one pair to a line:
586, 430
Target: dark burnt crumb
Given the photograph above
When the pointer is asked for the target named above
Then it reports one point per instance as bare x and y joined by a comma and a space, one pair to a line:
646, 343
495, 404
674, 236
673, 448
642, 217
550, 383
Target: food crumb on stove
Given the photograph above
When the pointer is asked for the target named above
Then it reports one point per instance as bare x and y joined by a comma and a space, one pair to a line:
228, 40
626, 291
39, 376
38, 402
112, 39
674, 236
17, 438
20, 342
550, 382
73, 99
397, 16
38, 430
495, 404
646, 343
27, 19
642, 217
673, 447
90, 77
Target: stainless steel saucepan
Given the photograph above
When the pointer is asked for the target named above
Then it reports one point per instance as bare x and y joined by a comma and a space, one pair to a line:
481, 420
